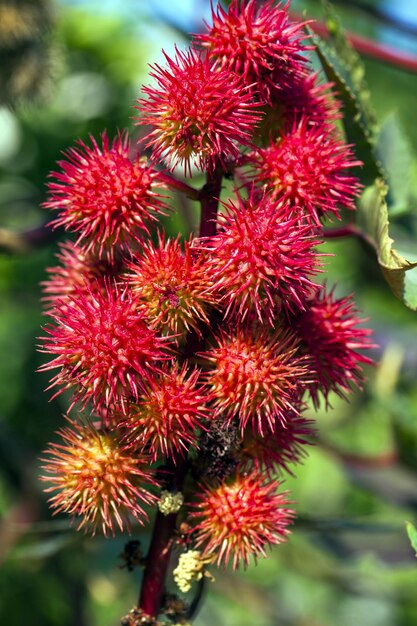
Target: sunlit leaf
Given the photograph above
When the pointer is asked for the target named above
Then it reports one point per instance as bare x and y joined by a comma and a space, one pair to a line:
396, 155
412, 535
399, 271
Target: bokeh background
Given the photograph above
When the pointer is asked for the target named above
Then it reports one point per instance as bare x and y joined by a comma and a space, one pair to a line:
77, 70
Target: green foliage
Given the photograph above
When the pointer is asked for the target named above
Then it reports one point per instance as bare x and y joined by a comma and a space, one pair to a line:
412, 535
400, 273
397, 158
343, 67
387, 161
404, 426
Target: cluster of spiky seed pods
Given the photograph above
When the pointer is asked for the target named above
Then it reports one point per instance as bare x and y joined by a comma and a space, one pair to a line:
199, 356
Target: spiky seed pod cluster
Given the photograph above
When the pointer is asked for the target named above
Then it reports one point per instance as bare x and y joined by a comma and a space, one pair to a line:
172, 409
174, 285
236, 521
307, 99
331, 334
199, 113
259, 43
104, 196
257, 377
263, 258
308, 168
79, 271
199, 354
279, 449
105, 350
97, 480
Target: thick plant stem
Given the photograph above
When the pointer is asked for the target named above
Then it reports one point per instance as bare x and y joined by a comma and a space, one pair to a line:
157, 560
157, 564
159, 553
209, 199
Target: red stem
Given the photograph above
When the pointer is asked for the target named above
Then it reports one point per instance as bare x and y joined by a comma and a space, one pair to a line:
179, 185
157, 560
209, 199
350, 230
381, 52
157, 563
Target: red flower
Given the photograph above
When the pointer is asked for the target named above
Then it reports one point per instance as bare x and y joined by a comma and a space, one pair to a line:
79, 271
173, 285
329, 332
97, 479
171, 409
238, 520
307, 168
263, 259
257, 377
276, 451
104, 346
260, 43
103, 196
199, 113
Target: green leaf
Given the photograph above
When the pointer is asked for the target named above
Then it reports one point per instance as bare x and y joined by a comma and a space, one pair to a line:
399, 272
44, 548
352, 62
397, 158
404, 429
344, 67
412, 535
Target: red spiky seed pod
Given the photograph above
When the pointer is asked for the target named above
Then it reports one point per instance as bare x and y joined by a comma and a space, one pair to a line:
308, 168
166, 419
259, 42
238, 520
257, 377
173, 285
97, 479
199, 114
311, 100
104, 347
78, 271
306, 98
278, 450
105, 197
262, 259
331, 338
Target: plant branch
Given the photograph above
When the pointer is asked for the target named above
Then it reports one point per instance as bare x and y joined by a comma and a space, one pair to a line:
157, 560
179, 185
385, 459
24, 241
350, 230
381, 52
209, 197
381, 15
157, 563
159, 553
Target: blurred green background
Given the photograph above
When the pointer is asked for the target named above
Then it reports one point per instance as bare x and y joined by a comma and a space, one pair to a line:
348, 562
